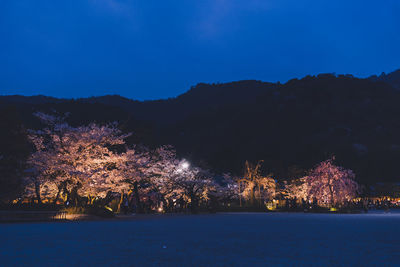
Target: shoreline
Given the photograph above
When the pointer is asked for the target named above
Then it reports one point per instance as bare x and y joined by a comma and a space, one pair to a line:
10, 218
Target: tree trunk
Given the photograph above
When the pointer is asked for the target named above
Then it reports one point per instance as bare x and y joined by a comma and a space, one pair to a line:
120, 202
331, 192
240, 197
57, 196
252, 193
138, 203
37, 190
61, 187
91, 199
193, 202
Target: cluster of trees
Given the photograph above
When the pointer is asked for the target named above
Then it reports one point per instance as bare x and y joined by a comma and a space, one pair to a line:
325, 185
328, 184
93, 164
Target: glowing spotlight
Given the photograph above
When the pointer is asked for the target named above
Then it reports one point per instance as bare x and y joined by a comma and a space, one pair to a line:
185, 165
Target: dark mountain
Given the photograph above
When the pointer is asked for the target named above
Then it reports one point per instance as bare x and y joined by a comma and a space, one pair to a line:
392, 78
14, 150
291, 126
199, 98
298, 124
38, 99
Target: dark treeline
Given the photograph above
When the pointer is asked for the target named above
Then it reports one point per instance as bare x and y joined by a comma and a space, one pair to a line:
291, 126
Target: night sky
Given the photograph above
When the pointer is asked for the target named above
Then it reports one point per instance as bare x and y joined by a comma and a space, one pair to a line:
156, 49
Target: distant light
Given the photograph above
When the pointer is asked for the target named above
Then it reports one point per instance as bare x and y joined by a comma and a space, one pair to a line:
185, 165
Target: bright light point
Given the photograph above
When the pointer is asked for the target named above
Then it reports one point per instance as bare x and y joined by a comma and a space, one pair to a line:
185, 165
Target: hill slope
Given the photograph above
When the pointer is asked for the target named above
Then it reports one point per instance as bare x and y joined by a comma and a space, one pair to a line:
290, 126
392, 78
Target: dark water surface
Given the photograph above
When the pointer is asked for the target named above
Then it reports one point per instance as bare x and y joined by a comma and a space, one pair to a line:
241, 239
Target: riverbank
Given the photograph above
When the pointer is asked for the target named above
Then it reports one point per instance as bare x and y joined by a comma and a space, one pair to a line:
58, 216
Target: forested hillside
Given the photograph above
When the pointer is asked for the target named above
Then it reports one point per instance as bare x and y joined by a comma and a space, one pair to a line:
290, 126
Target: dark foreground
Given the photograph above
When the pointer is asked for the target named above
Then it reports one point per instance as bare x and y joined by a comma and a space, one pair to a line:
241, 239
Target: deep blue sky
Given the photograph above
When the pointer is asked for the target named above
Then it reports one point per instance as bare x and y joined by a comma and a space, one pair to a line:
155, 49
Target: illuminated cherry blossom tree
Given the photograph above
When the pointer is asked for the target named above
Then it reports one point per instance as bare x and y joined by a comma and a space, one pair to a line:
296, 188
176, 179
94, 160
86, 158
330, 184
228, 189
